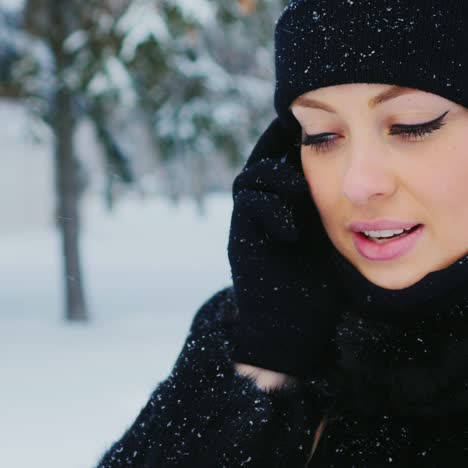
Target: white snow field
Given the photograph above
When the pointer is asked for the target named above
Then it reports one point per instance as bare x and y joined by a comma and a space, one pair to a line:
68, 391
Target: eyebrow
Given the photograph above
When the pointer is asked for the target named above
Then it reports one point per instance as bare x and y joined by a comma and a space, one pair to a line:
382, 97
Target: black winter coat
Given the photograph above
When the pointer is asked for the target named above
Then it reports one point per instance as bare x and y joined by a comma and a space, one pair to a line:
206, 415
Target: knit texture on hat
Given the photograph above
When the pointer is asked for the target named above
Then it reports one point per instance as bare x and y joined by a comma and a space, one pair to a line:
420, 44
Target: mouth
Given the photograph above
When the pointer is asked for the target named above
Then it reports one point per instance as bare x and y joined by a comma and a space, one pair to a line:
385, 239
388, 246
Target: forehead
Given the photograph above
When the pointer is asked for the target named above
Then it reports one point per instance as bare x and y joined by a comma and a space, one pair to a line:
374, 94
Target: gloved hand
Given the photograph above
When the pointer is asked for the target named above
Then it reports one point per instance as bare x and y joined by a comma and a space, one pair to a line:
277, 250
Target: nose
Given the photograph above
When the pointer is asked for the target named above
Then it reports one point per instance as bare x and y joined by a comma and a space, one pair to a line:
368, 175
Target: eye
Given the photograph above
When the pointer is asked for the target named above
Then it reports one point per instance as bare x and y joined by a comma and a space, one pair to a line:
324, 141
320, 142
416, 132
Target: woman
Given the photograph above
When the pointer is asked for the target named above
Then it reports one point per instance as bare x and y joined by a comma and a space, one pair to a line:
344, 339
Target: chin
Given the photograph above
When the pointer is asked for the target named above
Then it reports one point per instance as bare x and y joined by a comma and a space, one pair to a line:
384, 274
394, 281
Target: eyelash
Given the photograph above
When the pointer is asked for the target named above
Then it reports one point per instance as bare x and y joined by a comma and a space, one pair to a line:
322, 142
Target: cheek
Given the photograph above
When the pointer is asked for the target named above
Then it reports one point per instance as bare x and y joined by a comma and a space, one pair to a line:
323, 185
435, 183
446, 188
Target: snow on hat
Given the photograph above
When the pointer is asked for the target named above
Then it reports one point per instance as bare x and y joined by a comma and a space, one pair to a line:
420, 44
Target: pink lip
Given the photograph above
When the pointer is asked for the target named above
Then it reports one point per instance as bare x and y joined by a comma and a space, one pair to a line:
389, 250
380, 225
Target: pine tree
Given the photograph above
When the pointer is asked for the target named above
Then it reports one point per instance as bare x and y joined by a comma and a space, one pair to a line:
198, 74
57, 49
203, 71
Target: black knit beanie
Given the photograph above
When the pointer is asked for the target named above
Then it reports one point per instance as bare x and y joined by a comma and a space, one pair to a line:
420, 44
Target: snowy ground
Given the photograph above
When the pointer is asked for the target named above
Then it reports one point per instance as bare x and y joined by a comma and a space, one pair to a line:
68, 391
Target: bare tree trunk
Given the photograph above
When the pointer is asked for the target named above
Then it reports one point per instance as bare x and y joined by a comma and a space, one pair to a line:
67, 198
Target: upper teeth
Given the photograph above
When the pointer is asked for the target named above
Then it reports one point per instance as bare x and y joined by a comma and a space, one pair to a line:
389, 233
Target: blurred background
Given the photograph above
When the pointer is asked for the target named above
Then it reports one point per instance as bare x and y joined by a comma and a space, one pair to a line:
122, 126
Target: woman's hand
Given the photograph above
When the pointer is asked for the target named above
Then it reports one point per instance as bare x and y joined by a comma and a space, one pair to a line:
279, 265
264, 378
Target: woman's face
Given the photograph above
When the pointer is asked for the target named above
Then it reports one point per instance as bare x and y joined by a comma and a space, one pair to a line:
376, 152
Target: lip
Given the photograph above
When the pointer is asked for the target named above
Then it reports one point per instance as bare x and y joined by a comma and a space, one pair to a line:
389, 250
380, 225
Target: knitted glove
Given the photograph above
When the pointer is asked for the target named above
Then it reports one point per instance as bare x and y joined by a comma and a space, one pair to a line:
277, 250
